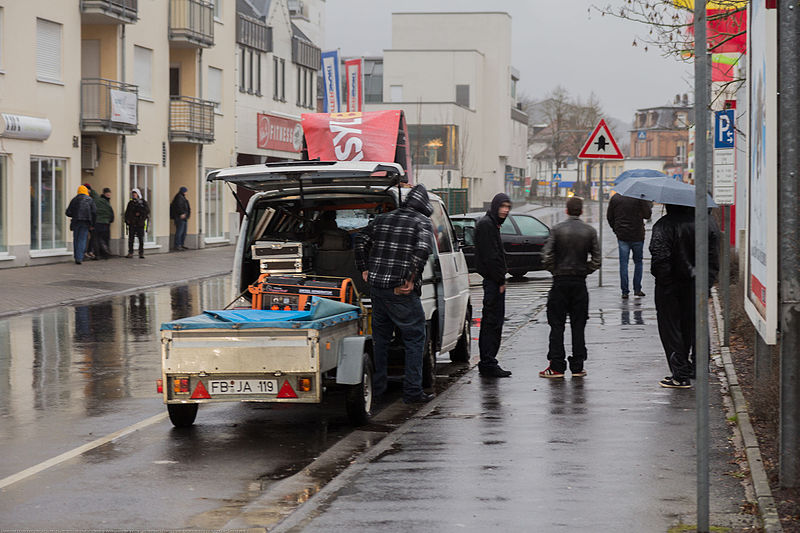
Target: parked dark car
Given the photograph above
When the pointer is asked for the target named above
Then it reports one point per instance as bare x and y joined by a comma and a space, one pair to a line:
523, 239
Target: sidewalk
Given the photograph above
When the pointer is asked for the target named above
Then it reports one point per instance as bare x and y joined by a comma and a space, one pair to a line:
610, 452
28, 288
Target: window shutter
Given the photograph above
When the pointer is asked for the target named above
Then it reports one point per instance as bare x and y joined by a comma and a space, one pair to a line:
215, 87
48, 50
142, 70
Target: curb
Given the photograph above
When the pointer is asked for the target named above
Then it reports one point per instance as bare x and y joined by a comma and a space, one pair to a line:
766, 503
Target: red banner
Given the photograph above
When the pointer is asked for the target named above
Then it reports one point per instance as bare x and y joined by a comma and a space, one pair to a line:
279, 133
355, 90
368, 136
726, 30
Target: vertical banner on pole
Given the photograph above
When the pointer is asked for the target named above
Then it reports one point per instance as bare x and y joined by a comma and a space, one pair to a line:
354, 71
330, 81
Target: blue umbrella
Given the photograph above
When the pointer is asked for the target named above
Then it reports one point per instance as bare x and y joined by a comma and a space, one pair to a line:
638, 173
660, 190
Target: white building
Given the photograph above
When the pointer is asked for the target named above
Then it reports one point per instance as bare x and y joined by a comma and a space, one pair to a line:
451, 74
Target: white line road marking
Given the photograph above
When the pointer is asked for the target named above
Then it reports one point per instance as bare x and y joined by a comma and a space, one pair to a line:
5, 482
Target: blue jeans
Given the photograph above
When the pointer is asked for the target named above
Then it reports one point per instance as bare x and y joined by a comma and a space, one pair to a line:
180, 232
625, 248
405, 315
80, 233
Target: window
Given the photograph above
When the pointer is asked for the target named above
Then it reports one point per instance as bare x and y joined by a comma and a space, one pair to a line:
680, 156
396, 93
47, 203
462, 95
215, 88
530, 227
2, 33
143, 71
441, 228
249, 70
48, 50
373, 81
305, 87
142, 179
279, 74
214, 212
217, 10
433, 144
3, 201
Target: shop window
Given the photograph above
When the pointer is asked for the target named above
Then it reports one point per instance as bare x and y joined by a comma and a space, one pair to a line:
47, 203
141, 178
434, 144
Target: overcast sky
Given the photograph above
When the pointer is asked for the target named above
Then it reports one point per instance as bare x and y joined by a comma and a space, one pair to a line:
555, 42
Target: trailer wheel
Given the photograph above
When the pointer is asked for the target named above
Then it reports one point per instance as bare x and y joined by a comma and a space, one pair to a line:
429, 360
358, 401
182, 415
463, 350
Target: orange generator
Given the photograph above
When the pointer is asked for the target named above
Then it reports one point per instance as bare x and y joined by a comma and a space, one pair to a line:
293, 293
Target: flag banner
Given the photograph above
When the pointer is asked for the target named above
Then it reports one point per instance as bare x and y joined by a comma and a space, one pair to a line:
368, 136
330, 81
726, 30
354, 69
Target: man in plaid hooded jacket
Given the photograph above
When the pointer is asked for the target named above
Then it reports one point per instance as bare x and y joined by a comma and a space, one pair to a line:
391, 253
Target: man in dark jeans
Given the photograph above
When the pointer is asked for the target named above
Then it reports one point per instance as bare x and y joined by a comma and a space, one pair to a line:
626, 216
566, 252
391, 254
490, 261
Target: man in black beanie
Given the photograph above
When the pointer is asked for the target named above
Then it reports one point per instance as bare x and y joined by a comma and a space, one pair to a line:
490, 260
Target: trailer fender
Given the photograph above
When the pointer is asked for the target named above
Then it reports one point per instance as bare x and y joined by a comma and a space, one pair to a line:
351, 359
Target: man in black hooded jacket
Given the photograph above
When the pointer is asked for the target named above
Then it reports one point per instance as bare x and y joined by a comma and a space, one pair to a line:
490, 260
672, 264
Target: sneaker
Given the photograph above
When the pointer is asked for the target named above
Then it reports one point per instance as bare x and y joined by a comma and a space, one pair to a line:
494, 372
129, 256
624, 295
424, 397
579, 374
639, 294
672, 383
550, 373
141, 256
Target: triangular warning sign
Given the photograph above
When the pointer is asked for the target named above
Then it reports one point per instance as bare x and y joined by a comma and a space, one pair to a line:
601, 144
200, 392
287, 391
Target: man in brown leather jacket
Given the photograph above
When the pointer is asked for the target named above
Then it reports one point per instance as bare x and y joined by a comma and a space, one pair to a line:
571, 253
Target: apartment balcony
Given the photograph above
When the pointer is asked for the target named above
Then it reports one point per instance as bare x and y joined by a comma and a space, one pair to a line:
110, 11
191, 23
191, 120
253, 33
109, 106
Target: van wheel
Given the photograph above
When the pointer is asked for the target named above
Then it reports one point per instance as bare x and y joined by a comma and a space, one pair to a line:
182, 415
358, 401
463, 350
518, 273
428, 360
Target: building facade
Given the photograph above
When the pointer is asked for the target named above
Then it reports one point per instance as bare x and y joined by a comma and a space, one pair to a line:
140, 94
660, 138
451, 74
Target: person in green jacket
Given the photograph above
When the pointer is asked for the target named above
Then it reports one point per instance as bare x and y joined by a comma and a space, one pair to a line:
102, 231
91, 247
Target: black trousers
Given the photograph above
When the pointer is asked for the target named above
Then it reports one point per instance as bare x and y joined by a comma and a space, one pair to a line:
494, 313
568, 297
675, 314
102, 237
136, 231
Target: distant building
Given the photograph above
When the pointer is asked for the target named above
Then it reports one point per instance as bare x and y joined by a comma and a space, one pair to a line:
660, 138
451, 74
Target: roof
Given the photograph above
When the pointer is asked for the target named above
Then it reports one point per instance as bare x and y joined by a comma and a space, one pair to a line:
258, 9
297, 32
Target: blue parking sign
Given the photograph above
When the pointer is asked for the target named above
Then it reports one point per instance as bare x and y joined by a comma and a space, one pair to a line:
724, 129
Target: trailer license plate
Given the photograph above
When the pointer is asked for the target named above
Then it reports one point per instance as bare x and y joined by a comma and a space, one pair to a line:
243, 386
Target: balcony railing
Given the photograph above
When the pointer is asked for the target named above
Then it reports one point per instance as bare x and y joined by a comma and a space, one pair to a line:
114, 11
109, 106
191, 120
253, 33
191, 22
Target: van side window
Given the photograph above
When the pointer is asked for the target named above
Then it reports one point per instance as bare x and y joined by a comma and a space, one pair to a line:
441, 228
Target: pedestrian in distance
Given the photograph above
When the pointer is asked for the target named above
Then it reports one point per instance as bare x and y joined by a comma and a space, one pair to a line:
626, 216
490, 260
179, 212
102, 226
90, 248
391, 254
82, 211
571, 253
672, 265
137, 215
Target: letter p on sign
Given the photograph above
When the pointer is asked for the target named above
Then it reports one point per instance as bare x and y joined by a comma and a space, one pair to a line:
724, 129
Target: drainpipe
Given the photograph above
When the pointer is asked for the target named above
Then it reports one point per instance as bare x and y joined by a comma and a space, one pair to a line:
123, 153
200, 178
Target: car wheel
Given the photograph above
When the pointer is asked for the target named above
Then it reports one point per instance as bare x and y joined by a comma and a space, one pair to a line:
358, 401
182, 415
429, 360
463, 350
518, 273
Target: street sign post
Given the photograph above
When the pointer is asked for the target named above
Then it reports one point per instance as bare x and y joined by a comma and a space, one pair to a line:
601, 145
